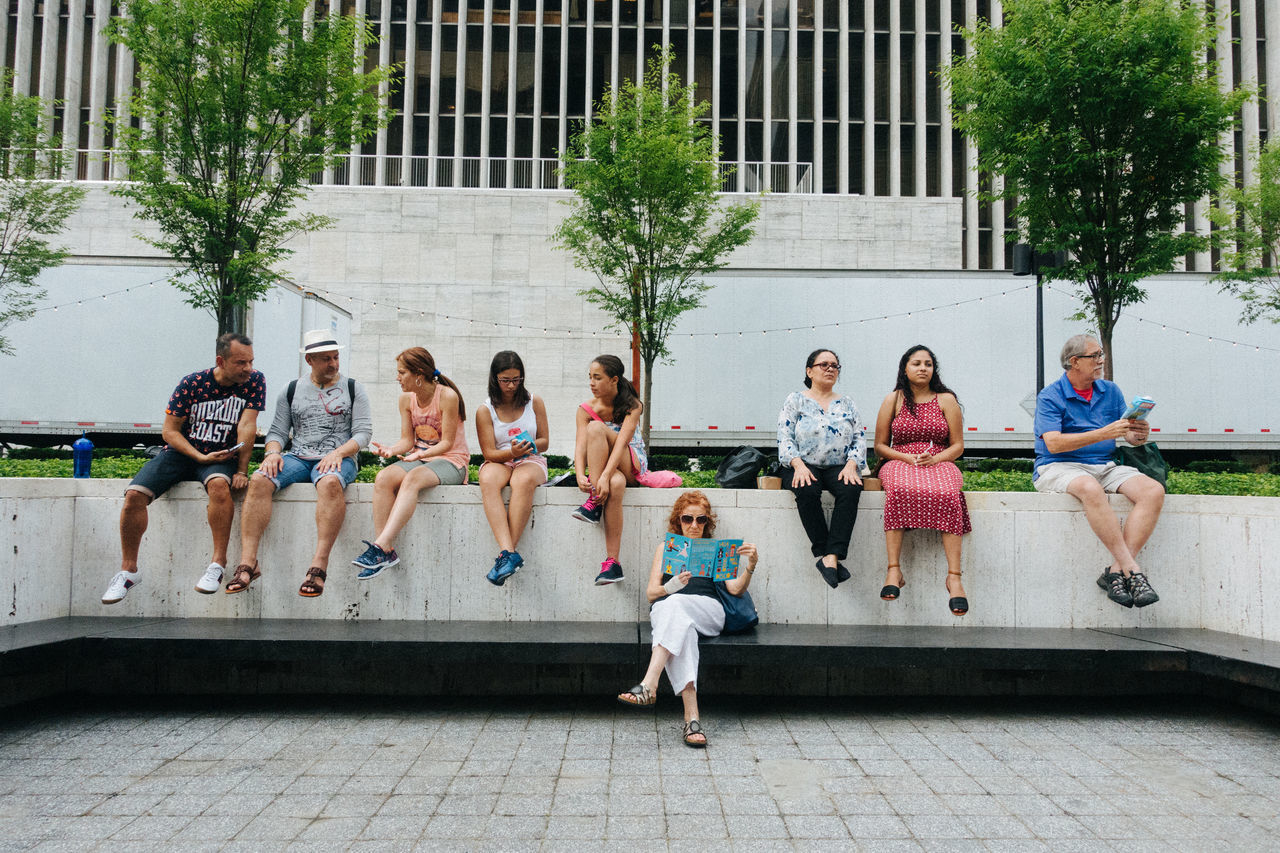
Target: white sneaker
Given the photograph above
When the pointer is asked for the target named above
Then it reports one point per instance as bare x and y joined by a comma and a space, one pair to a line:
211, 582
120, 586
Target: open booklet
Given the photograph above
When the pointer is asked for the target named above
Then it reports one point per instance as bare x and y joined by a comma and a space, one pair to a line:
1140, 408
703, 558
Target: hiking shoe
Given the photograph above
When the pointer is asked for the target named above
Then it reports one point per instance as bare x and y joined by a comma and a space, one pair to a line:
1113, 584
211, 581
374, 560
610, 572
120, 586
1140, 590
590, 511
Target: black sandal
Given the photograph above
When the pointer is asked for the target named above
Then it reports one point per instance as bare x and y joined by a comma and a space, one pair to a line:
638, 696
889, 592
691, 728
243, 577
311, 589
958, 604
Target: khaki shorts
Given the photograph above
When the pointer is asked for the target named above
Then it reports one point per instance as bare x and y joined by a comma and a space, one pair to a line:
448, 473
1056, 476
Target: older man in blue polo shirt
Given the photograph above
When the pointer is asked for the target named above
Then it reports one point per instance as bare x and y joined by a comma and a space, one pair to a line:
1078, 421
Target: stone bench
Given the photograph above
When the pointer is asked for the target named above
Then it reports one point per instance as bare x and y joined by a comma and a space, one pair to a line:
1030, 562
433, 625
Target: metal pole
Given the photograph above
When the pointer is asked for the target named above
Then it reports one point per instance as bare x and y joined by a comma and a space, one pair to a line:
1039, 331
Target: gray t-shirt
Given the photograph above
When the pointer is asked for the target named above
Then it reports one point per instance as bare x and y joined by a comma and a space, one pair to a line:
321, 420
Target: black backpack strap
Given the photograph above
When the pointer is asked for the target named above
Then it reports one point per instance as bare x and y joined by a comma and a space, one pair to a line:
351, 390
293, 386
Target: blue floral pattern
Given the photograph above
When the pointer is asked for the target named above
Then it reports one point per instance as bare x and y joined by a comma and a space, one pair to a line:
831, 437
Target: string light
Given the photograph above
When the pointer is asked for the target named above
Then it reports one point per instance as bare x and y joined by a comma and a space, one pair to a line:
568, 333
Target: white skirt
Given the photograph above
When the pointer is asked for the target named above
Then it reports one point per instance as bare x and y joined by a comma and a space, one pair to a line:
677, 621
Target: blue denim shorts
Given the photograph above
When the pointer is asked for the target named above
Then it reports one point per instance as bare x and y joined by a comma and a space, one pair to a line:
296, 470
170, 466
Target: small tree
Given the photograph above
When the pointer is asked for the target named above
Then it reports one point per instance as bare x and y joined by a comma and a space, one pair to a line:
239, 103
646, 220
34, 205
1104, 117
1251, 234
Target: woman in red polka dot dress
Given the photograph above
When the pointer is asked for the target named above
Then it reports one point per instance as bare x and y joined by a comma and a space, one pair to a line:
920, 434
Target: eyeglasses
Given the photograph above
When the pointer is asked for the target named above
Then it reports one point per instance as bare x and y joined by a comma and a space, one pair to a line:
827, 365
695, 519
1096, 356
511, 382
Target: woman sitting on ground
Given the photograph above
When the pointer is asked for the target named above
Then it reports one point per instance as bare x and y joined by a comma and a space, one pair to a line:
682, 608
920, 434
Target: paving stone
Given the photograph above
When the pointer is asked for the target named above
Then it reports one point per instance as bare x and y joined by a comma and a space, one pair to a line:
1078, 777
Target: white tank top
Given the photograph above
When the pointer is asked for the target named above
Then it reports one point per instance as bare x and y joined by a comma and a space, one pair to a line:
504, 431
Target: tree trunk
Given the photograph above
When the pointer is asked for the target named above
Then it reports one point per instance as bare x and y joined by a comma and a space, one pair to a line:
1105, 328
232, 318
647, 399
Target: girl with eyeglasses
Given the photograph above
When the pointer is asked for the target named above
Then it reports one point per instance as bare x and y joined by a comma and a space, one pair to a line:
682, 609
432, 451
822, 446
512, 429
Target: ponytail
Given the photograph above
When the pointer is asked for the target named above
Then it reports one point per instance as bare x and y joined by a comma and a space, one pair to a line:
419, 362
627, 400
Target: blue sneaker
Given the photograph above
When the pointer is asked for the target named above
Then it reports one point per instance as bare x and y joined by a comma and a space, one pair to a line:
506, 565
509, 566
493, 576
374, 560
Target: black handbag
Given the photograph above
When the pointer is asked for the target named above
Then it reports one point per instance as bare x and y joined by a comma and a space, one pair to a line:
1146, 458
739, 610
740, 468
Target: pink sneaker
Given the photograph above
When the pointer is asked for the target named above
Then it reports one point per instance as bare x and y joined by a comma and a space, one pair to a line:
610, 572
590, 511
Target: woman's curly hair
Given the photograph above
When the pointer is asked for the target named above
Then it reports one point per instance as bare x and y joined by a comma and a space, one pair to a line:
685, 501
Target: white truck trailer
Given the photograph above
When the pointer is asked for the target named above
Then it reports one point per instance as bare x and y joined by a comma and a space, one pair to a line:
110, 342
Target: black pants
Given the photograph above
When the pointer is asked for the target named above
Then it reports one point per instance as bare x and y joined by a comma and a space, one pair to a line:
826, 539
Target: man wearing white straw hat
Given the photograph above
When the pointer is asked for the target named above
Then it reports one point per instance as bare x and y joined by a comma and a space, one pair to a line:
329, 420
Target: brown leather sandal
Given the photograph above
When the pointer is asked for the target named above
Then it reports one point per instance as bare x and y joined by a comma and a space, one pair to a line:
243, 577
311, 589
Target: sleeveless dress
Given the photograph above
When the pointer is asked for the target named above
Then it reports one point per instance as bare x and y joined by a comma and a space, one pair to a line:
928, 497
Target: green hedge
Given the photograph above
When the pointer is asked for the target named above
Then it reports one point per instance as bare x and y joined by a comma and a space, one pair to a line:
1180, 482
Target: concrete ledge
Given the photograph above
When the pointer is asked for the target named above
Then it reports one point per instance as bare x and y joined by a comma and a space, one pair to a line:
166, 657
1030, 562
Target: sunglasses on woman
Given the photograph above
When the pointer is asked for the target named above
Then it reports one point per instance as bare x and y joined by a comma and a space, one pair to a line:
695, 519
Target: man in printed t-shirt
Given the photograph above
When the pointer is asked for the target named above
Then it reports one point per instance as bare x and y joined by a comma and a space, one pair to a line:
210, 426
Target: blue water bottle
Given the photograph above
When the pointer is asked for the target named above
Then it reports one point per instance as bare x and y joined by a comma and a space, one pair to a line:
81, 457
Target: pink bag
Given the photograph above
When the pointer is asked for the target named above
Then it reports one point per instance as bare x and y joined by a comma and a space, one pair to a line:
660, 479
652, 479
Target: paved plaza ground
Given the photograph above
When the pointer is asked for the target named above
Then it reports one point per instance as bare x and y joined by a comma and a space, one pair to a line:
579, 775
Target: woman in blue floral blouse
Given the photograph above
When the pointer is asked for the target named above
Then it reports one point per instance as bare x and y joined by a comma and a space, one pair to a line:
822, 444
